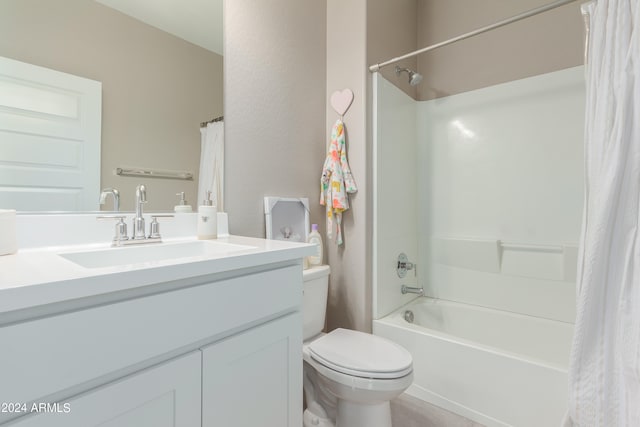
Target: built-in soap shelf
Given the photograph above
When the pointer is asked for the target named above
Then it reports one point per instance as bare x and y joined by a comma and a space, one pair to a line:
546, 262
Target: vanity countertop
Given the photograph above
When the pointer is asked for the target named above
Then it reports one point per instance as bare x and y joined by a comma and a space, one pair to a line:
36, 277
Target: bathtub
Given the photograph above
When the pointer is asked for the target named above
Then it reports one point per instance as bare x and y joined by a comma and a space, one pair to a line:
494, 367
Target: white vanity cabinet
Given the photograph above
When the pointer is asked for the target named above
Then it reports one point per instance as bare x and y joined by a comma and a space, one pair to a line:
221, 349
251, 379
167, 395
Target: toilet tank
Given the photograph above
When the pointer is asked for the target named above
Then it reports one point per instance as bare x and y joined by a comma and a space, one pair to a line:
314, 300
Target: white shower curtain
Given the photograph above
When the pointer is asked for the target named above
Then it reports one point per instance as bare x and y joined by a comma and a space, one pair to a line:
604, 376
212, 164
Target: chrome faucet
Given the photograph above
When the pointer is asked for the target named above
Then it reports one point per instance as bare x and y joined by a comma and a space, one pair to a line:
411, 290
138, 220
116, 198
139, 237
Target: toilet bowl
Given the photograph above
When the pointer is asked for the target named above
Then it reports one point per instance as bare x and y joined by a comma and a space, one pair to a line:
349, 376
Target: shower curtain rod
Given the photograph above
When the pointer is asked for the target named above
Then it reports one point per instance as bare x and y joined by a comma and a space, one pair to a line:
217, 119
532, 12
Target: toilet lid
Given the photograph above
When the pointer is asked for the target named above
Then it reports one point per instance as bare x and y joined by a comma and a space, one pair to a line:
362, 355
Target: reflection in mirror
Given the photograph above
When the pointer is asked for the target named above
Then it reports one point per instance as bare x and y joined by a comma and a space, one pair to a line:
156, 90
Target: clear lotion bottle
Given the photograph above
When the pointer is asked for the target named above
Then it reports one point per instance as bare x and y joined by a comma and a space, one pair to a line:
207, 219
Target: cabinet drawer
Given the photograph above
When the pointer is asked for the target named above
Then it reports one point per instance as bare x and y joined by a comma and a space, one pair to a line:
45, 357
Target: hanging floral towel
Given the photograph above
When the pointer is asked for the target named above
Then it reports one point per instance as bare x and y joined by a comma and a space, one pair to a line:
336, 181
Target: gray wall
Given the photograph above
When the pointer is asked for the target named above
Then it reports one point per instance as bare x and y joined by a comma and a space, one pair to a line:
156, 87
377, 30
274, 107
392, 31
278, 117
541, 44
349, 304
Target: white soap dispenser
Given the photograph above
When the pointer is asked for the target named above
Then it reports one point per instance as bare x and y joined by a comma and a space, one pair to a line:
207, 219
182, 206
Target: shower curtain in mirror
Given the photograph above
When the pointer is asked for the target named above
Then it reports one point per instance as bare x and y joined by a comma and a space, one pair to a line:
604, 376
212, 164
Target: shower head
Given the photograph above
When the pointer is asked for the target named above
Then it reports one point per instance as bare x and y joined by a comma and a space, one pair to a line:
414, 78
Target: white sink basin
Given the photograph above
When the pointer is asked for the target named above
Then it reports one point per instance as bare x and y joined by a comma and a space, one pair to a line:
152, 252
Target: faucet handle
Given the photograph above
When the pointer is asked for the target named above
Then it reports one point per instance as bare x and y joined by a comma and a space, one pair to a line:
154, 227
404, 265
121, 228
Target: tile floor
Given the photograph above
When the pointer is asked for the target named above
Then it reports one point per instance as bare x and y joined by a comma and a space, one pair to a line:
408, 411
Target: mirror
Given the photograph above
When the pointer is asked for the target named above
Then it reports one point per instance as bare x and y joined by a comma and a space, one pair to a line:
157, 87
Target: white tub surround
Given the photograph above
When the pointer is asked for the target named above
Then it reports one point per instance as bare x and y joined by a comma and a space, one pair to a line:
395, 190
162, 339
492, 181
494, 367
483, 191
501, 194
8, 243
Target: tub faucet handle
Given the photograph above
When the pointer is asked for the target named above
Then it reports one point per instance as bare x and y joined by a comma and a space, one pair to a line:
404, 265
404, 289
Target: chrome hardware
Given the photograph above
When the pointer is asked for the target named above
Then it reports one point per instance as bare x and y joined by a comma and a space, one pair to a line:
139, 236
121, 228
138, 221
116, 198
408, 316
154, 173
411, 290
154, 227
404, 265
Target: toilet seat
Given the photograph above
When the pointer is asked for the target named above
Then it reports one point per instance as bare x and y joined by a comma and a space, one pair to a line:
359, 383
361, 355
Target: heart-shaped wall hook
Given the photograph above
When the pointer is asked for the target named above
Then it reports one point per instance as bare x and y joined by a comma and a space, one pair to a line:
341, 101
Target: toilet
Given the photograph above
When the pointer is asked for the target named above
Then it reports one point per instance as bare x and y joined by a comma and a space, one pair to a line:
349, 376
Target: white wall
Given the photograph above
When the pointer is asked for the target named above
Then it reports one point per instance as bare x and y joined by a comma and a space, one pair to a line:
497, 166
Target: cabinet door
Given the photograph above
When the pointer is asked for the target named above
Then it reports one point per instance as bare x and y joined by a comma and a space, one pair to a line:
168, 395
255, 378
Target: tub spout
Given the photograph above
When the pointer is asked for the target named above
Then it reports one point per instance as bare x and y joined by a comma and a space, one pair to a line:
411, 290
